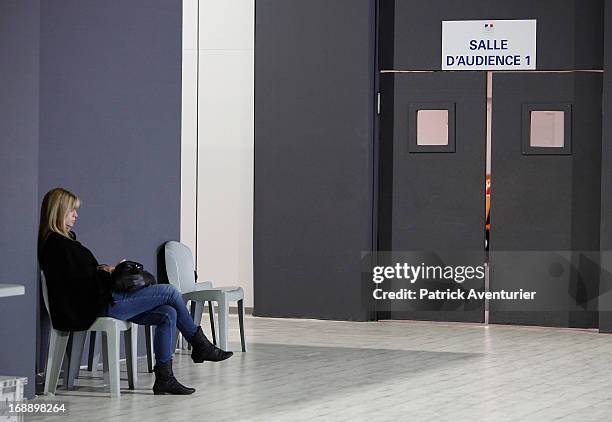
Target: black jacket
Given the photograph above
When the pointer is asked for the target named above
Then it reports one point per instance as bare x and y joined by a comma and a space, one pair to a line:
78, 292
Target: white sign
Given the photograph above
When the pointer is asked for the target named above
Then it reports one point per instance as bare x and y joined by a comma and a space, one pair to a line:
489, 45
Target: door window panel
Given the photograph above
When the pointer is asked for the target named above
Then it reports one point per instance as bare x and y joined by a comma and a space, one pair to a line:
546, 129
432, 127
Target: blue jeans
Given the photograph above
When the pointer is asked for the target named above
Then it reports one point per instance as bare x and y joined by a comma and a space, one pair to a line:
160, 305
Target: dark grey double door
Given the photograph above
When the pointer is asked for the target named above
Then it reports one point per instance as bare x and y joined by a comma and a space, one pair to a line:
544, 200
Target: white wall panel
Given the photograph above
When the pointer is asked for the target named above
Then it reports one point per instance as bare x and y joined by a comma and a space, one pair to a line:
189, 123
225, 169
227, 24
189, 139
217, 140
190, 24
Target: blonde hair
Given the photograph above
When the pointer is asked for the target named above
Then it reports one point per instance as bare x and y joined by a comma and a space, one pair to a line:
55, 205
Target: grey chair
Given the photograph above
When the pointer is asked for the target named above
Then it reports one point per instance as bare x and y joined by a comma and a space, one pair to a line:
92, 359
180, 269
111, 329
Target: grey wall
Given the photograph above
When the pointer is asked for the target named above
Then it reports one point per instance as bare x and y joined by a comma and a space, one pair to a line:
19, 48
314, 74
110, 107
110, 103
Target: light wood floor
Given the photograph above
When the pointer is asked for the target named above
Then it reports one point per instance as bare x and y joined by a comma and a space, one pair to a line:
304, 370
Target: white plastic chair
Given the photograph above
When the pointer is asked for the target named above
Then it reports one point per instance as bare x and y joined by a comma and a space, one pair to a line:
180, 269
110, 328
93, 358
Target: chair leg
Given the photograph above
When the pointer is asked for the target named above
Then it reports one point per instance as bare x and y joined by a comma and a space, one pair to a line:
192, 311
73, 363
66, 363
105, 359
131, 345
241, 322
149, 342
211, 316
113, 362
134, 351
176, 339
181, 342
92, 351
57, 347
223, 313
97, 355
197, 308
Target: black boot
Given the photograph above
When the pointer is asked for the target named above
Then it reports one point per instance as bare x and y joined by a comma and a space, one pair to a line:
202, 349
165, 383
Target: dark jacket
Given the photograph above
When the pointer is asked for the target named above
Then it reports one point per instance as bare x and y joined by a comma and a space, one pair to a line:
78, 292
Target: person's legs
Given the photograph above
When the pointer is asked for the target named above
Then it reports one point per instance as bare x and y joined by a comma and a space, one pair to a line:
164, 319
128, 305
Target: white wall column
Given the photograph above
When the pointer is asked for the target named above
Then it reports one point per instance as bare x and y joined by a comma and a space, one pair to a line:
189, 124
224, 132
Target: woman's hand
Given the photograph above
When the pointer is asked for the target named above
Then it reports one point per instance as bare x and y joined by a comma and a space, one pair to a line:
106, 267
